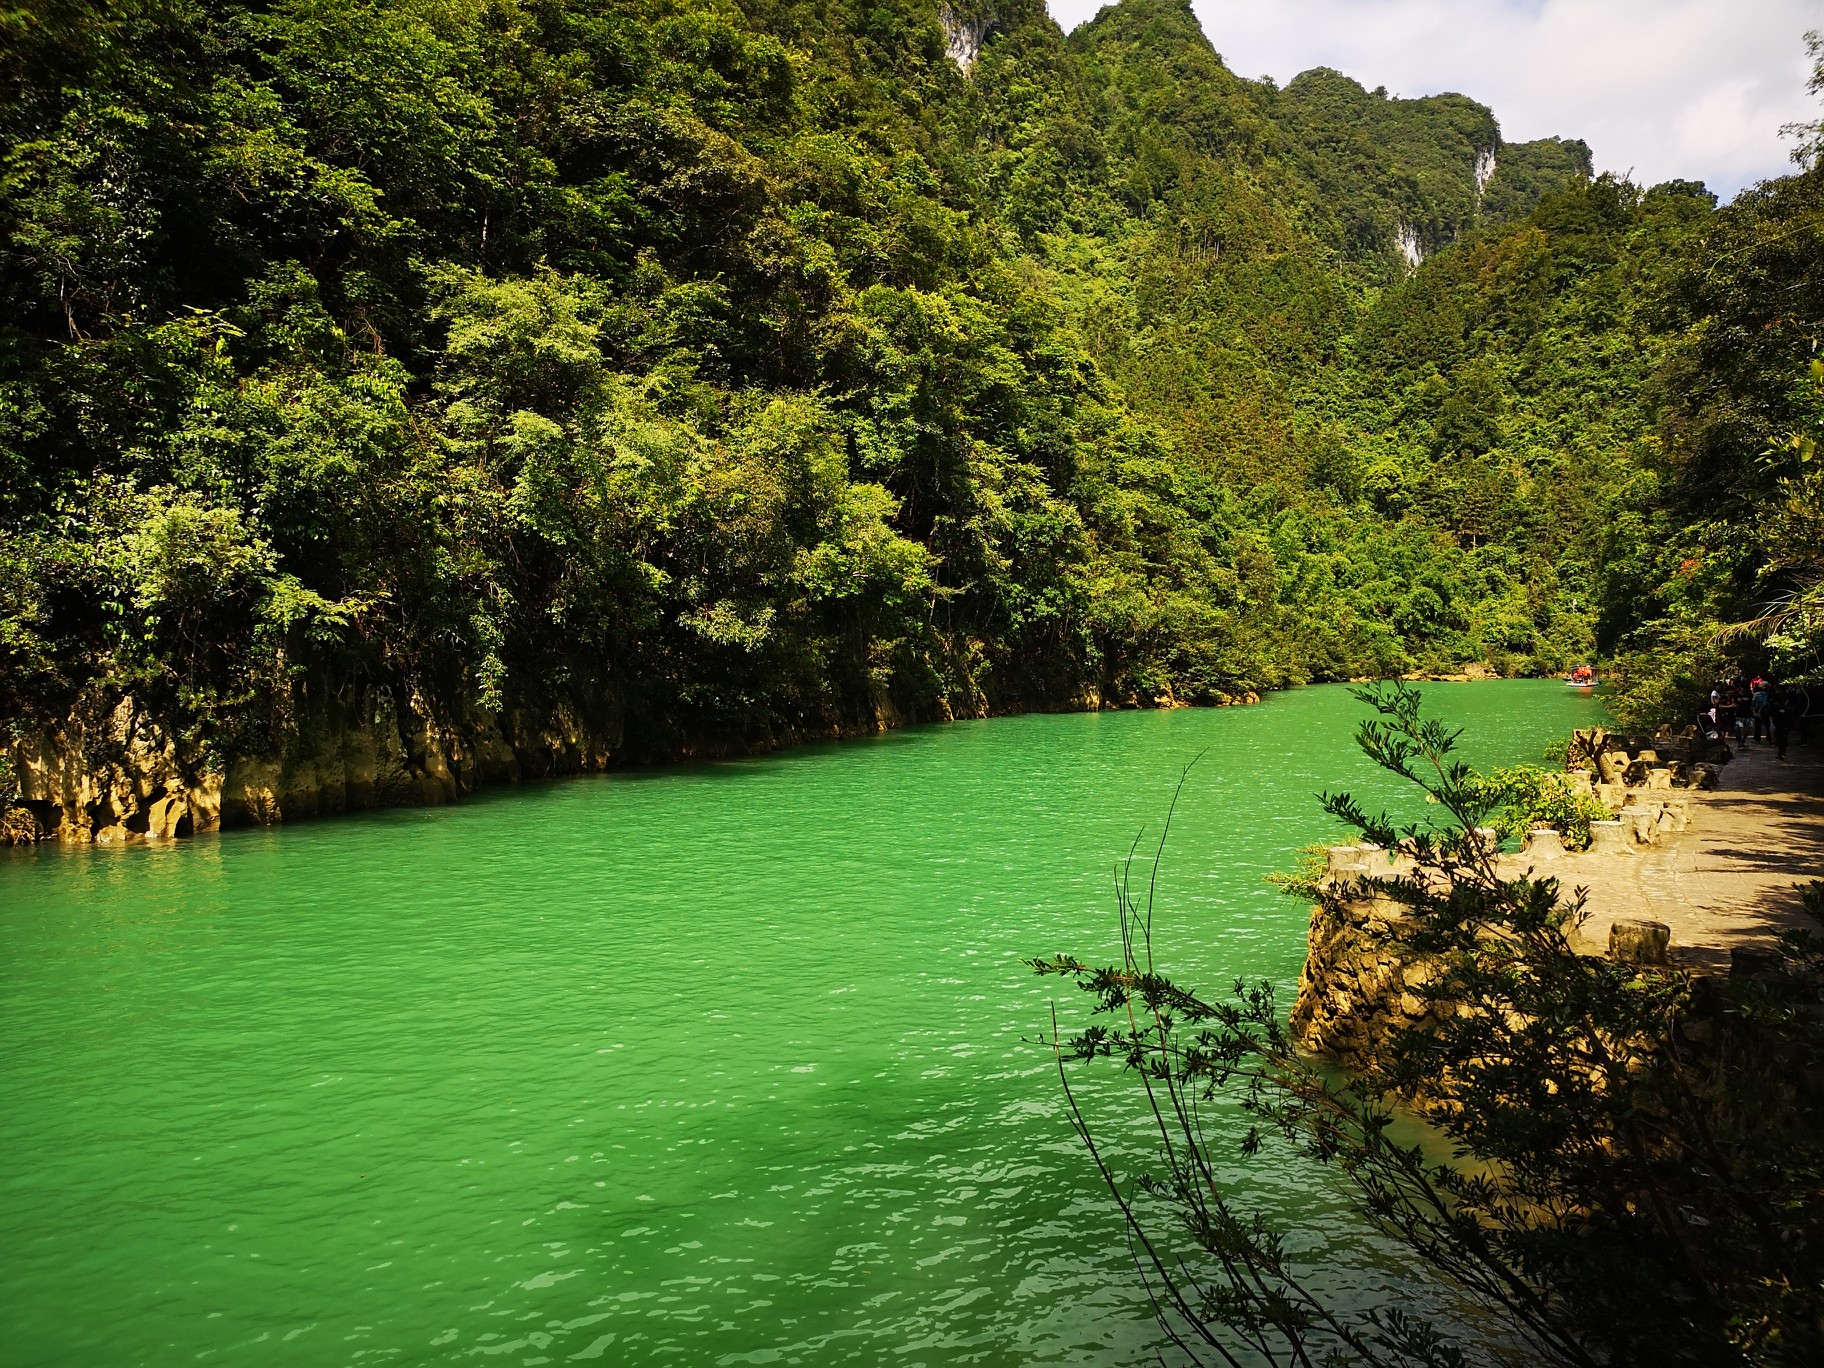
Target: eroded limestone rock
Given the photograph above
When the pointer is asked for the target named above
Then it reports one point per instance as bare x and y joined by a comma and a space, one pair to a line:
115, 773
966, 28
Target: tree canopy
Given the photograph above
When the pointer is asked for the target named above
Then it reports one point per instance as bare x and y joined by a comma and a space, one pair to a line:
745, 368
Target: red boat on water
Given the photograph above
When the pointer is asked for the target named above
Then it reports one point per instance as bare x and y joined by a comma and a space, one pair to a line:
1582, 678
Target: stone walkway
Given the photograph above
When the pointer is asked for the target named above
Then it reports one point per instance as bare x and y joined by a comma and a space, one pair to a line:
1728, 879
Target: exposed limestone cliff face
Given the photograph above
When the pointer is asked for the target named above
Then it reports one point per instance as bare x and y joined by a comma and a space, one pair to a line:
117, 773
109, 776
1411, 250
1485, 171
964, 33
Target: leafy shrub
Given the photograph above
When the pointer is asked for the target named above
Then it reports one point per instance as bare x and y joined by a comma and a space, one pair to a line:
1527, 796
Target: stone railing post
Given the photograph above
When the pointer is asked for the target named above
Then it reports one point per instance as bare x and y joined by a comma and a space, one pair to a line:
1637, 941
1639, 821
1543, 843
1346, 862
1611, 838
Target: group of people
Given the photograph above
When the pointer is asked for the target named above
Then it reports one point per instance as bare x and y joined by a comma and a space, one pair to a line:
1774, 713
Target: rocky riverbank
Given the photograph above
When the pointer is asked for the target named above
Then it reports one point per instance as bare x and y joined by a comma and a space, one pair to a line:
121, 774
117, 772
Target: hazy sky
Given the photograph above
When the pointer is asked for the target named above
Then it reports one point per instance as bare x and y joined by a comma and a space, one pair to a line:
1690, 89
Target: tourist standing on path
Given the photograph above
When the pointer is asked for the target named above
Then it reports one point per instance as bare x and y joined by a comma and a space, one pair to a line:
1761, 700
1784, 710
1725, 713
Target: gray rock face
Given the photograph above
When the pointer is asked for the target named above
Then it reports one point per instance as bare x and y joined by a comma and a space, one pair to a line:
964, 34
1406, 243
1485, 170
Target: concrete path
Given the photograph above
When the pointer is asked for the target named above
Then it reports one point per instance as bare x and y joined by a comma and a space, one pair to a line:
1728, 879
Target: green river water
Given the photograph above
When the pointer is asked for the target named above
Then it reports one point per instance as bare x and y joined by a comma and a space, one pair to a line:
724, 1064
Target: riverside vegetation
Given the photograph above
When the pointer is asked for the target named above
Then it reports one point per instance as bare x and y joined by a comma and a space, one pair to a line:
398, 396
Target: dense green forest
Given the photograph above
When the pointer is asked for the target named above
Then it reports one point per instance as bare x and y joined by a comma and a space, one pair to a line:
735, 372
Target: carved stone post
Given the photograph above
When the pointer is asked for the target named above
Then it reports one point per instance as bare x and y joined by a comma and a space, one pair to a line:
1633, 941
1346, 862
1611, 838
1543, 843
1639, 821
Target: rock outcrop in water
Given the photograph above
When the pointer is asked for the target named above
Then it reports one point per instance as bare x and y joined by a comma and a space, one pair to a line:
1364, 984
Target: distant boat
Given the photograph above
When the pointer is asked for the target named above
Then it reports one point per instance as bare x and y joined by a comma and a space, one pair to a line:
1583, 679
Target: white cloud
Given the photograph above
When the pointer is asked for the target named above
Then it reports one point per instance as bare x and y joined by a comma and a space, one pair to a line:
1667, 89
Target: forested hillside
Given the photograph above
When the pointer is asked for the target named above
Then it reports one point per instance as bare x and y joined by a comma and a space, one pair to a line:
707, 374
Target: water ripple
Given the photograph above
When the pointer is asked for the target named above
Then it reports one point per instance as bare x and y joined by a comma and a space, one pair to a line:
726, 1064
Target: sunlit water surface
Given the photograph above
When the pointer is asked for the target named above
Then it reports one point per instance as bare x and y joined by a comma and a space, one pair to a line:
724, 1064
